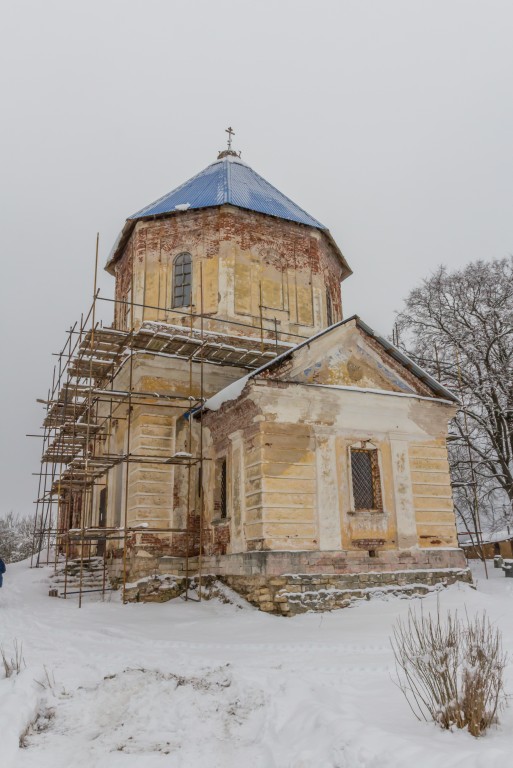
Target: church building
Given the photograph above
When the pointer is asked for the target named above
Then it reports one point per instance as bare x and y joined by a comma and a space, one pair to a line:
240, 427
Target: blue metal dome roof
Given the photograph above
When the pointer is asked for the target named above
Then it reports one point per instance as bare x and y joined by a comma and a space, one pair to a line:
228, 181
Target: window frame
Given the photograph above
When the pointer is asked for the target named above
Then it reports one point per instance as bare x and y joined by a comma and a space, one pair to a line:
181, 260
366, 446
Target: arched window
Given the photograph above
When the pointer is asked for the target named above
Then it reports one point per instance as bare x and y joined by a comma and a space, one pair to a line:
182, 280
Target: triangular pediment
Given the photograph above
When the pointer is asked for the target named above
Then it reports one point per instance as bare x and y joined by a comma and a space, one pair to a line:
350, 355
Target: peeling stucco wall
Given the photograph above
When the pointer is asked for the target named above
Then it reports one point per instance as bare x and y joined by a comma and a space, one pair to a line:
297, 476
347, 356
247, 260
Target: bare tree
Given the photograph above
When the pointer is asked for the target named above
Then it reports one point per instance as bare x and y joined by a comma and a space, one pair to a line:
16, 537
459, 327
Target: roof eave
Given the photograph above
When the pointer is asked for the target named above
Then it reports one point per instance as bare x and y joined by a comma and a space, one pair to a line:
408, 363
347, 271
119, 245
129, 225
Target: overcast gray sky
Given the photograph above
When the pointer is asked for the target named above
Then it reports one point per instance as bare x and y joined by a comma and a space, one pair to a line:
391, 121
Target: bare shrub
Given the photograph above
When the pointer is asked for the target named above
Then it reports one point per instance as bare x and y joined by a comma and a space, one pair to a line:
14, 663
451, 671
41, 723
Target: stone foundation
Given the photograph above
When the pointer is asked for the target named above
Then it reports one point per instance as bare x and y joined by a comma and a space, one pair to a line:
160, 589
287, 583
298, 593
154, 589
291, 594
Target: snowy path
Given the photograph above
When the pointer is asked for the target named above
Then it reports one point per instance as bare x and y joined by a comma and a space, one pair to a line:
216, 686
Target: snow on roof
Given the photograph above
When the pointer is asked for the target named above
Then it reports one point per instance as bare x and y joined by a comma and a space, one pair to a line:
231, 392
504, 534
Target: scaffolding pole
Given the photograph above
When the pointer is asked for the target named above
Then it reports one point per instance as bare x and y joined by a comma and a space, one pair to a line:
87, 397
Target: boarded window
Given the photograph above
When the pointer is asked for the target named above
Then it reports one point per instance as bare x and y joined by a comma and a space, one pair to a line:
102, 511
182, 280
365, 479
220, 497
223, 489
127, 311
200, 482
329, 309
102, 522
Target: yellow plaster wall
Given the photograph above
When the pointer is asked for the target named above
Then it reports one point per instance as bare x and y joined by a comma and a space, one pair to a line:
253, 459
432, 495
237, 491
286, 295
150, 486
155, 278
281, 487
297, 498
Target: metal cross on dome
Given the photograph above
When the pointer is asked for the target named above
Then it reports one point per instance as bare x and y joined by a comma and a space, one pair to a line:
230, 133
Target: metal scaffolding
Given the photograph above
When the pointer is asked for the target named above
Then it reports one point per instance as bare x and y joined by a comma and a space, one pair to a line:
93, 388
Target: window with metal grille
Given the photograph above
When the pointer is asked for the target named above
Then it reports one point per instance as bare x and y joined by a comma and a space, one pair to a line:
329, 309
182, 280
365, 479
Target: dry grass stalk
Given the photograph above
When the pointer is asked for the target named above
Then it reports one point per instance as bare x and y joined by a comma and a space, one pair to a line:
451, 671
48, 682
14, 664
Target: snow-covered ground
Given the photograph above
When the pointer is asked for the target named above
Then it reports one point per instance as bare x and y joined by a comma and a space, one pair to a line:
213, 685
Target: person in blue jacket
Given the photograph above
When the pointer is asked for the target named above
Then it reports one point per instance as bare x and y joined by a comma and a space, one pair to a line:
2, 571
